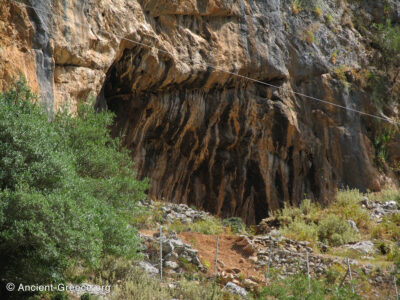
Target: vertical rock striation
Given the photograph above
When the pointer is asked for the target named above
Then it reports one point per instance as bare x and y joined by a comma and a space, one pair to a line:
229, 145
203, 136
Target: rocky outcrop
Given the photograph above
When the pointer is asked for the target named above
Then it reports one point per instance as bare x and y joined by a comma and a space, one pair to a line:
63, 48
233, 146
176, 254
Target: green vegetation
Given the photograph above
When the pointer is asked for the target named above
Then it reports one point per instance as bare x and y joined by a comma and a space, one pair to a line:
386, 195
236, 225
380, 143
329, 19
67, 190
334, 57
334, 230
384, 85
327, 225
210, 226
388, 40
317, 11
297, 287
310, 5
131, 283
340, 72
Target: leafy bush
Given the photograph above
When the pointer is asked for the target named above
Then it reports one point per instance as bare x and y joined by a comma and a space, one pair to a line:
302, 231
66, 190
389, 228
335, 231
236, 224
348, 206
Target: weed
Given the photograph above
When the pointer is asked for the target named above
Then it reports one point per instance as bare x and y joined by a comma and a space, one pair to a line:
329, 19
296, 7
318, 11
334, 57
310, 37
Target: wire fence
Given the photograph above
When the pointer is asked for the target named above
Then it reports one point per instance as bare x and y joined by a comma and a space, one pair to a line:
271, 255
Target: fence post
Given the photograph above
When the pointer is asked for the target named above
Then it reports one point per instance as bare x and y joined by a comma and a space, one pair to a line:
269, 261
216, 259
351, 277
344, 278
395, 288
308, 272
161, 259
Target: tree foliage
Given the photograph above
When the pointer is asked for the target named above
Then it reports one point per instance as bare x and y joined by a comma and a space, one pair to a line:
67, 190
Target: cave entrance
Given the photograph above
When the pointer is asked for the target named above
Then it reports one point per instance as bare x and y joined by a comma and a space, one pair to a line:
255, 188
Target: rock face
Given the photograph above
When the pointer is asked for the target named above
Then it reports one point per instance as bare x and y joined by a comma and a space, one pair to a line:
203, 136
233, 146
63, 48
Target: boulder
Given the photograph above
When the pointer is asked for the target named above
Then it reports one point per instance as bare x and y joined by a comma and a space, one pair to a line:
235, 289
364, 247
148, 268
249, 283
171, 265
353, 225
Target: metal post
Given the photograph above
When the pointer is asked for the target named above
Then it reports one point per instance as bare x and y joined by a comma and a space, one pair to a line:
351, 277
395, 288
269, 261
216, 259
161, 260
308, 272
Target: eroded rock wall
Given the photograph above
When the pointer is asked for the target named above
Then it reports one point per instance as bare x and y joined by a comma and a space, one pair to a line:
62, 47
229, 145
203, 136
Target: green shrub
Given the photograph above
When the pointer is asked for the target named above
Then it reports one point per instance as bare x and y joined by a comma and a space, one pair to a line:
65, 190
300, 230
335, 231
385, 195
235, 224
348, 206
388, 229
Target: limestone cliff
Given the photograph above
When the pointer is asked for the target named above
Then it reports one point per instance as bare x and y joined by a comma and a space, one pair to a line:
206, 137
63, 47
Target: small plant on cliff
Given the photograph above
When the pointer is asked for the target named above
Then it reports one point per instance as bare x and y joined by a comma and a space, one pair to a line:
309, 36
296, 6
329, 19
318, 11
66, 190
382, 138
387, 39
334, 57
